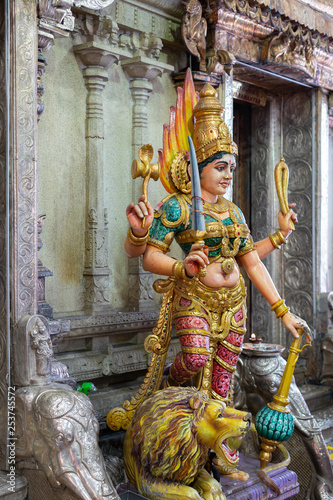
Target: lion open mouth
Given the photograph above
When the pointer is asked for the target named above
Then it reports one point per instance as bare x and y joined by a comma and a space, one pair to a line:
230, 454
229, 448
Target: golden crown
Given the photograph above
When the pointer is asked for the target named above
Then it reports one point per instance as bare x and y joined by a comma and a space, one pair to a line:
211, 133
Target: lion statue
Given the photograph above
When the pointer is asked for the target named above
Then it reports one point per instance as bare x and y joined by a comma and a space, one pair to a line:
168, 441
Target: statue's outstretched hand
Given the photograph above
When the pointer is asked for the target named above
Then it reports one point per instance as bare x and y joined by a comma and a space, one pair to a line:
292, 322
136, 213
284, 220
196, 259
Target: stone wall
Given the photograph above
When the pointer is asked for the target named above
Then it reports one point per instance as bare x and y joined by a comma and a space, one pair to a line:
62, 169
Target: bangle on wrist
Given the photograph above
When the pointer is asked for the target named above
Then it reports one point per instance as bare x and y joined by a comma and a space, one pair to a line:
137, 241
277, 239
280, 308
179, 270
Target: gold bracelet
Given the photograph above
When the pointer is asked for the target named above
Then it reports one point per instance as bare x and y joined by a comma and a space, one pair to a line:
280, 308
179, 270
282, 239
277, 239
137, 241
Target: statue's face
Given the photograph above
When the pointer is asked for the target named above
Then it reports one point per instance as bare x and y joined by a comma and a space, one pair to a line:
217, 176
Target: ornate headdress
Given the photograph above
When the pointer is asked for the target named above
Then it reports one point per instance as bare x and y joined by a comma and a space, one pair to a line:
210, 134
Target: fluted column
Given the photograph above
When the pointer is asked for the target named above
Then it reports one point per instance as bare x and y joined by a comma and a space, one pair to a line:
140, 91
227, 101
96, 58
141, 71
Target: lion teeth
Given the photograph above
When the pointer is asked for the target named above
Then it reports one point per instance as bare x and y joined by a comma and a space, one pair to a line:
231, 454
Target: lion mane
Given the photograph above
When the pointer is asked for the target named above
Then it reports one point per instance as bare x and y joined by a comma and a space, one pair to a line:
164, 427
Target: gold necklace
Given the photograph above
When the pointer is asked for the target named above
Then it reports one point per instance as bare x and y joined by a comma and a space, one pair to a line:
220, 207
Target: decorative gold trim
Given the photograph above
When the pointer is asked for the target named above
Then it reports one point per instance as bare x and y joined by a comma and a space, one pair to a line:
137, 241
190, 372
179, 173
195, 350
281, 237
199, 314
280, 308
217, 396
211, 133
230, 347
159, 244
277, 239
224, 364
178, 270
192, 331
231, 298
248, 247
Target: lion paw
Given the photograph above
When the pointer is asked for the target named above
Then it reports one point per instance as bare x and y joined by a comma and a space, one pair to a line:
239, 475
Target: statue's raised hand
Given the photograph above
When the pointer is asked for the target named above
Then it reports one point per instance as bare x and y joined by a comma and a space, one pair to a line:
284, 220
136, 213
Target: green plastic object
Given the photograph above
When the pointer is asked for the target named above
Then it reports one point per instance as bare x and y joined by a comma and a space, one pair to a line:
85, 387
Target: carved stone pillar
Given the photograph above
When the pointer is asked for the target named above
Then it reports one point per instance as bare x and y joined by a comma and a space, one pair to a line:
226, 98
18, 165
55, 19
4, 246
141, 71
265, 154
43, 307
96, 58
225, 94
298, 255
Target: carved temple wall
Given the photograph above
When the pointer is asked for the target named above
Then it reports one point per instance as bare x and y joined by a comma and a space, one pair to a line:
107, 92
284, 127
263, 211
62, 155
297, 150
3, 239
107, 88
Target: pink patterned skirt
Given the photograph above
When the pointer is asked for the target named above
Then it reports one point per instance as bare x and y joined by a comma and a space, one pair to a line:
210, 324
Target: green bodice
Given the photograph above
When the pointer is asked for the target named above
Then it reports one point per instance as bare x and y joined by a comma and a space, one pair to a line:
173, 220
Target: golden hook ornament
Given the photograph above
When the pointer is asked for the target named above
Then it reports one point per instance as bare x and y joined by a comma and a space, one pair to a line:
281, 175
143, 168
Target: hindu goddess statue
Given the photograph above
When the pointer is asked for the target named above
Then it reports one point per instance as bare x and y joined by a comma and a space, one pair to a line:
206, 294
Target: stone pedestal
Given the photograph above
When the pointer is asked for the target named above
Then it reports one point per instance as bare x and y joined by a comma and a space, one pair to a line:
285, 479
